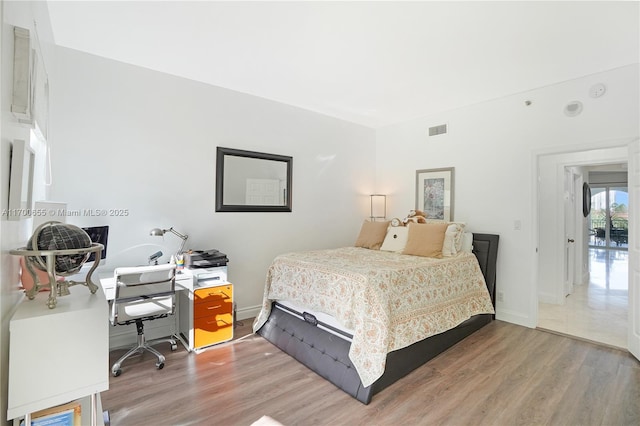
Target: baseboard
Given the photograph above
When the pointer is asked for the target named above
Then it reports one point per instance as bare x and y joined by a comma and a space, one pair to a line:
249, 312
514, 318
550, 298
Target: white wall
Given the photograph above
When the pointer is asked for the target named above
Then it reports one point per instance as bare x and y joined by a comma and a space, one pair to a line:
494, 146
13, 234
129, 138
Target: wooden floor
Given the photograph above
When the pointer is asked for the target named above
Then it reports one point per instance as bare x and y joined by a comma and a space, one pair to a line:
503, 374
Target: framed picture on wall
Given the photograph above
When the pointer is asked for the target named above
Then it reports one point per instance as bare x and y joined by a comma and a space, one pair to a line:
434, 193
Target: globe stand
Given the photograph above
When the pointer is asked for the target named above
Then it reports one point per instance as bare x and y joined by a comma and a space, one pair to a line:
56, 288
63, 288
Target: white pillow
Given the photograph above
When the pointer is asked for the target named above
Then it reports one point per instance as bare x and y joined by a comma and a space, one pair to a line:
396, 239
459, 234
467, 242
449, 246
453, 239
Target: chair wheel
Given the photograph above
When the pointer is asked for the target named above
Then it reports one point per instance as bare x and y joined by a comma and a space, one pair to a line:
117, 372
174, 347
160, 365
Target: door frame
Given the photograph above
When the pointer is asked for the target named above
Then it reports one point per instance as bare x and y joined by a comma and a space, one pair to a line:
633, 188
604, 152
572, 256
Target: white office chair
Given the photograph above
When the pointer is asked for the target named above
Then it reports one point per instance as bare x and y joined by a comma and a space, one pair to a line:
143, 293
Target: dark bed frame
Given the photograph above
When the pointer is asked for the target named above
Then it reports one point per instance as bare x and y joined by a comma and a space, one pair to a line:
328, 355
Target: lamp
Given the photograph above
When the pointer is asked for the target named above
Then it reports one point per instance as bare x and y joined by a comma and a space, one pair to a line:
160, 232
378, 206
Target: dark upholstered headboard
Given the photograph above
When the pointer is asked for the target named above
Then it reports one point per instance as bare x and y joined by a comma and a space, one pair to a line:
485, 247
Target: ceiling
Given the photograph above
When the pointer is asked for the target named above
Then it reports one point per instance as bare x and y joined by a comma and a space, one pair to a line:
372, 63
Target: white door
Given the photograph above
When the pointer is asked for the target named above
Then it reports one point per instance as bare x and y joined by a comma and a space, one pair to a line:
634, 249
569, 230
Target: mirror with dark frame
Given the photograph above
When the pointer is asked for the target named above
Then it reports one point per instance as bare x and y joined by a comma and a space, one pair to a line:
586, 199
248, 181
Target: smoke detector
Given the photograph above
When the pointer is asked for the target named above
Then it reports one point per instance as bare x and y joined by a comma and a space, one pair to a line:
597, 90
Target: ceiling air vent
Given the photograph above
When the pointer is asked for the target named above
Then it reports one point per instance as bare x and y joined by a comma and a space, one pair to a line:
438, 130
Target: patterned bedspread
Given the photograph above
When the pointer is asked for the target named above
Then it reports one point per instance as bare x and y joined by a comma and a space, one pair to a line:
389, 300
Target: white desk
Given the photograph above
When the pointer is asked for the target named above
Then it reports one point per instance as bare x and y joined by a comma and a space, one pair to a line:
58, 355
181, 324
126, 335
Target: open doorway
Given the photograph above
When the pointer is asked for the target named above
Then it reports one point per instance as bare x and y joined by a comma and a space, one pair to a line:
596, 307
609, 216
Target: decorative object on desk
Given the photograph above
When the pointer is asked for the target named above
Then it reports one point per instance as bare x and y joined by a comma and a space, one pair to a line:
59, 249
434, 193
60, 236
180, 262
378, 206
153, 259
160, 232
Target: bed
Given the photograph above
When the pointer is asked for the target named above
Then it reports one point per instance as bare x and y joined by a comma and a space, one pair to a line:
363, 328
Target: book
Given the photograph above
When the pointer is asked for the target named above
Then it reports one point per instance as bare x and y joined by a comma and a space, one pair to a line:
69, 414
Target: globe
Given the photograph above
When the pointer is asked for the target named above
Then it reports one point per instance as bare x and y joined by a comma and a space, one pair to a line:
60, 236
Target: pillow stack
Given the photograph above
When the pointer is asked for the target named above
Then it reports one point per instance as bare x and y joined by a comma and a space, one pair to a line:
432, 239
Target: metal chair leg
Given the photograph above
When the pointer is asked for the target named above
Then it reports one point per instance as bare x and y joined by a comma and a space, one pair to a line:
141, 346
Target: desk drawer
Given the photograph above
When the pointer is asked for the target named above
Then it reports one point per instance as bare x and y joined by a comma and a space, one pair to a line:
210, 294
211, 330
212, 307
212, 301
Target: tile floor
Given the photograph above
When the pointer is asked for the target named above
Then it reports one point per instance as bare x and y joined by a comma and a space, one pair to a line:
597, 311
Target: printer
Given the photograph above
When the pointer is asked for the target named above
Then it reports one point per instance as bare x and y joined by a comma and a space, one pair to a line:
205, 259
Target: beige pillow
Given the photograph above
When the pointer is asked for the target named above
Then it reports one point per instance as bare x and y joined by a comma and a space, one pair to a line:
452, 237
426, 239
396, 239
372, 235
